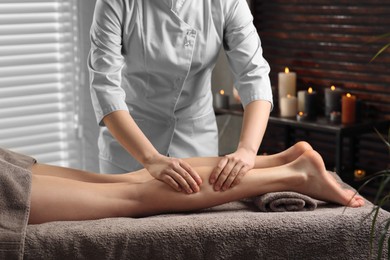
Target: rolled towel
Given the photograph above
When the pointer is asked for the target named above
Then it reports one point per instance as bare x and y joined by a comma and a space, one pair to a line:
284, 201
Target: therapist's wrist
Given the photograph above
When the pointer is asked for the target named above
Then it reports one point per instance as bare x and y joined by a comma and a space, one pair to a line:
247, 149
151, 159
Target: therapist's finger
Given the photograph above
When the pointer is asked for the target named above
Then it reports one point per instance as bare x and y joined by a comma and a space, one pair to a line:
187, 167
184, 179
240, 175
218, 169
224, 175
190, 184
171, 182
232, 176
179, 180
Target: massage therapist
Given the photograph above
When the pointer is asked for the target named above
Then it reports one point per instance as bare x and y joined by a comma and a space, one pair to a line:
150, 69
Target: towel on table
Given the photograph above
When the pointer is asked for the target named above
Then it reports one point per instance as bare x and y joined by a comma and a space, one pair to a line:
284, 201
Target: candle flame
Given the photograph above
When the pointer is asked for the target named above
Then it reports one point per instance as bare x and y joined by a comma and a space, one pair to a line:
222, 92
310, 90
288, 96
286, 70
349, 95
300, 113
360, 173
333, 88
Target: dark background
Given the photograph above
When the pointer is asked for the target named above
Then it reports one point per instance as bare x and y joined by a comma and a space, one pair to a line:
329, 42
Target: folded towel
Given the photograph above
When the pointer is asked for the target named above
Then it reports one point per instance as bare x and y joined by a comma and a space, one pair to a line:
284, 201
15, 186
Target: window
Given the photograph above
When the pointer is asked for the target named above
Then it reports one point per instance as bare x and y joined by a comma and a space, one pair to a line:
39, 78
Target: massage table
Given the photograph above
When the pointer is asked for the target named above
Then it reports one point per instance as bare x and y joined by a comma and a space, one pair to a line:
235, 230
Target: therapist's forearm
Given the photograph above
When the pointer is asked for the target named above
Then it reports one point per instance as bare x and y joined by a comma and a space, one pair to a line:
254, 124
123, 127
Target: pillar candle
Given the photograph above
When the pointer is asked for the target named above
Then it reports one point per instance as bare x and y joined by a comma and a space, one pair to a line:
288, 106
287, 82
332, 100
301, 100
348, 109
221, 100
310, 103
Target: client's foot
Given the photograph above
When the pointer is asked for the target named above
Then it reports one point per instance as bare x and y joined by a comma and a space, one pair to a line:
319, 184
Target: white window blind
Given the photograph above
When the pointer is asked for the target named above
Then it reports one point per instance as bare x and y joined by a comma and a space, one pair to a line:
39, 77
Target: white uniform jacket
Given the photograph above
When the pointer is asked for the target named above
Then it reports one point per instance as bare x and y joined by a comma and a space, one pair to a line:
154, 58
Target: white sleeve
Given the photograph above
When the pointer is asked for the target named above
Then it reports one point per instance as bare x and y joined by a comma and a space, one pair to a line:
105, 60
245, 55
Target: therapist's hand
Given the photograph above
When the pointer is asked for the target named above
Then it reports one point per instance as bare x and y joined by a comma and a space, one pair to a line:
231, 168
175, 172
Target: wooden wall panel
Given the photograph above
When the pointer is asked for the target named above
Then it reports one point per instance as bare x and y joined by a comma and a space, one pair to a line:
330, 42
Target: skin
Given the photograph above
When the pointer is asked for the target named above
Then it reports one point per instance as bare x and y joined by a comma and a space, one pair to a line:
177, 173
232, 167
60, 194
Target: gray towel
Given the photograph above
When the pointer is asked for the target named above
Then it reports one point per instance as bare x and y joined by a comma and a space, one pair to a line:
230, 231
15, 186
284, 201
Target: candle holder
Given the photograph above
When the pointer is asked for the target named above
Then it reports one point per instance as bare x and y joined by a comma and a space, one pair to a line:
302, 117
335, 117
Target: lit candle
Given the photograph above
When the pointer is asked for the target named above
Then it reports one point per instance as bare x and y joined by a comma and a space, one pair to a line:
301, 116
288, 106
301, 100
359, 174
311, 103
287, 82
348, 109
332, 100
221, 100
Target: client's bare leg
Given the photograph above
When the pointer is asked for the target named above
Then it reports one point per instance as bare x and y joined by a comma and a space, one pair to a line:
263, 161
286, 156
55, 198
80, 175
